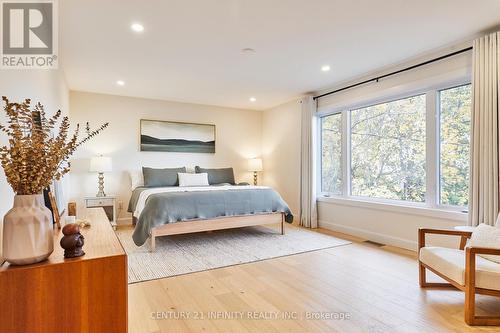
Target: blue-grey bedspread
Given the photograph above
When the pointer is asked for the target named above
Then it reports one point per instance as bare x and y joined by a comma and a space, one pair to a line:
175, 207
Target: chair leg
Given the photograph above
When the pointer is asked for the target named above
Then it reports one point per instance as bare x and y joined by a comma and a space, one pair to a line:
470, 312
470, 295
422, 279
421, 275
469, 306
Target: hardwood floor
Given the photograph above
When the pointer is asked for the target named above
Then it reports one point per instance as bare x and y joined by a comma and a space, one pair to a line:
375, 286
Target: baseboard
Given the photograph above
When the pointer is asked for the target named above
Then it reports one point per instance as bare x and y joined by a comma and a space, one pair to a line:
370, 235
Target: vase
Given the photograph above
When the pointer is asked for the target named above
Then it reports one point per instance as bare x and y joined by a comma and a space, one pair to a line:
28, 231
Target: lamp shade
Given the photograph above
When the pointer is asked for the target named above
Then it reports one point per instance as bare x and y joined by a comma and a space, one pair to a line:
100, 164
255, 164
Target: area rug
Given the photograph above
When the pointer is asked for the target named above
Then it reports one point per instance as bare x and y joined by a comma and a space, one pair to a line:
182, 254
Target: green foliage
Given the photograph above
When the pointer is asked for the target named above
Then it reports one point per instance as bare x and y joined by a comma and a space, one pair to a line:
388, 149
331, 154
455, 145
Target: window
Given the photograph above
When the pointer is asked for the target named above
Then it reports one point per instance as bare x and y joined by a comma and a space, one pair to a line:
413, 149
455, 114
388, 150
331, 154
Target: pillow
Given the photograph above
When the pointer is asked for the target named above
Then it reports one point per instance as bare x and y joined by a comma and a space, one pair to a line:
193, 179
136, 179
217, 176
161, 177
486, 236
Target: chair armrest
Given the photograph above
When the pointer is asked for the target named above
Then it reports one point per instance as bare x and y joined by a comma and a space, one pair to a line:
423, 231
472, 251
470, 264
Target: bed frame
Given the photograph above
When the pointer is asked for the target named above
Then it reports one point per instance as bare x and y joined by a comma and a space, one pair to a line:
216, 224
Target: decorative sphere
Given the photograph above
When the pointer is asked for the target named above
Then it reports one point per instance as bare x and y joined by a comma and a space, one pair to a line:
70, 229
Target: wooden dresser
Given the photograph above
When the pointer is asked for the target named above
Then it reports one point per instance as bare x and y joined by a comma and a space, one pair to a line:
85, 294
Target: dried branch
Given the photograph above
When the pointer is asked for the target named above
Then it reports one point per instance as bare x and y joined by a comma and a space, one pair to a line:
34, 157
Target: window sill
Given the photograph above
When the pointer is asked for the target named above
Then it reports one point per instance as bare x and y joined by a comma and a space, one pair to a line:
415, 209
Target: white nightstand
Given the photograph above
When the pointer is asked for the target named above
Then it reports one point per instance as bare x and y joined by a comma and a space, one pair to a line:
108, 203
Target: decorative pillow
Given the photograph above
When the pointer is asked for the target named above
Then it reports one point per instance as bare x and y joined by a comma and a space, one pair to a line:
193, 179
218, 176
136, 179
161, 177
486, 236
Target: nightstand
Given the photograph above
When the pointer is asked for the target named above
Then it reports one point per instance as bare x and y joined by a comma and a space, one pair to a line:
108, 203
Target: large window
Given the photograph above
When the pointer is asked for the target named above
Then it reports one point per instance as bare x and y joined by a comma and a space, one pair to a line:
455, 113
388, 150
413, 149
331, 154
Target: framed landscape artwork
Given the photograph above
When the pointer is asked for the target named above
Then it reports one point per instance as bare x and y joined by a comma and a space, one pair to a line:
170, 136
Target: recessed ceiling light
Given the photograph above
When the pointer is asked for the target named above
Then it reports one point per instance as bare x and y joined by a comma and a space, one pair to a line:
325, 68
253, 99
120, 83
137, 27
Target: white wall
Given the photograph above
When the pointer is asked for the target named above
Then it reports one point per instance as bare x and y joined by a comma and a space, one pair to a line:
281, 152
397, 226
45, 86
454, 68
239, 134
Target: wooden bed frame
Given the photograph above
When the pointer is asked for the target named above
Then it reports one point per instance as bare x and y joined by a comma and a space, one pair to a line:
216, 224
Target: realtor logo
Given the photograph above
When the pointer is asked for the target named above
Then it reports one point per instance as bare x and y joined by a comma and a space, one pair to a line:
29, 34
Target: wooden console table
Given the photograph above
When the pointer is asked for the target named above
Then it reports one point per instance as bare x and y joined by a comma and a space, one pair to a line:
85, 294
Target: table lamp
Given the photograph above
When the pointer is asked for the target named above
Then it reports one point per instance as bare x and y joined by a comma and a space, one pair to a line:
100, 164
255, 165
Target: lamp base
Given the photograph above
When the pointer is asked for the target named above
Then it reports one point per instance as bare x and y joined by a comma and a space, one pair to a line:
255, 178
101, 186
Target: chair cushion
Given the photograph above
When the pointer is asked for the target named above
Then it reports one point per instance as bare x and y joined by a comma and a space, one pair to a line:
451, 263
486, 236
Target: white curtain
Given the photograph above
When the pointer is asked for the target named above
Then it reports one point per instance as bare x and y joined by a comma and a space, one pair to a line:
484, 176
308, 212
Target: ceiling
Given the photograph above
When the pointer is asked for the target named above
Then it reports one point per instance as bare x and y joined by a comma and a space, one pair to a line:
190, 50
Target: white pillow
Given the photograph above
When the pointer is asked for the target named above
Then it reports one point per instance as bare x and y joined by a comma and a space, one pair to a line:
486, 236
136, 179
193, 179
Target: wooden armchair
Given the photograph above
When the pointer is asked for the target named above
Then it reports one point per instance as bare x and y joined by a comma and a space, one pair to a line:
463, 270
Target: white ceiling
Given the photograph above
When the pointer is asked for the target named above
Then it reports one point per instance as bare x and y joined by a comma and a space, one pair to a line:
191, 49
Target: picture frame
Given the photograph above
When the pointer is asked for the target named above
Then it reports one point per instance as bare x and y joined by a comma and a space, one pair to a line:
175, 136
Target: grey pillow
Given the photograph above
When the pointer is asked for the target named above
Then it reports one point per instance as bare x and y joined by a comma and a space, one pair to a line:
217, 176
161, 177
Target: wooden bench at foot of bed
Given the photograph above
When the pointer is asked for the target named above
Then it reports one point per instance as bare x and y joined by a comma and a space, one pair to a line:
217, 224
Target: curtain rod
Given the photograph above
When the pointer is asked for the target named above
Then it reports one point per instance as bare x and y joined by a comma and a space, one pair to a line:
376, 79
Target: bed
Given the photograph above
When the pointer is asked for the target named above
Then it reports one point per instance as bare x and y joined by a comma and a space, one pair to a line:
175, 210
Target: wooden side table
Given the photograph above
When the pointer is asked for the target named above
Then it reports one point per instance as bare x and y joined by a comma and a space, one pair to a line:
108, 203
83, 294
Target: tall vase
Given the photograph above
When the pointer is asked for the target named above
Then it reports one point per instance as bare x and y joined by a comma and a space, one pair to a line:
28, 231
